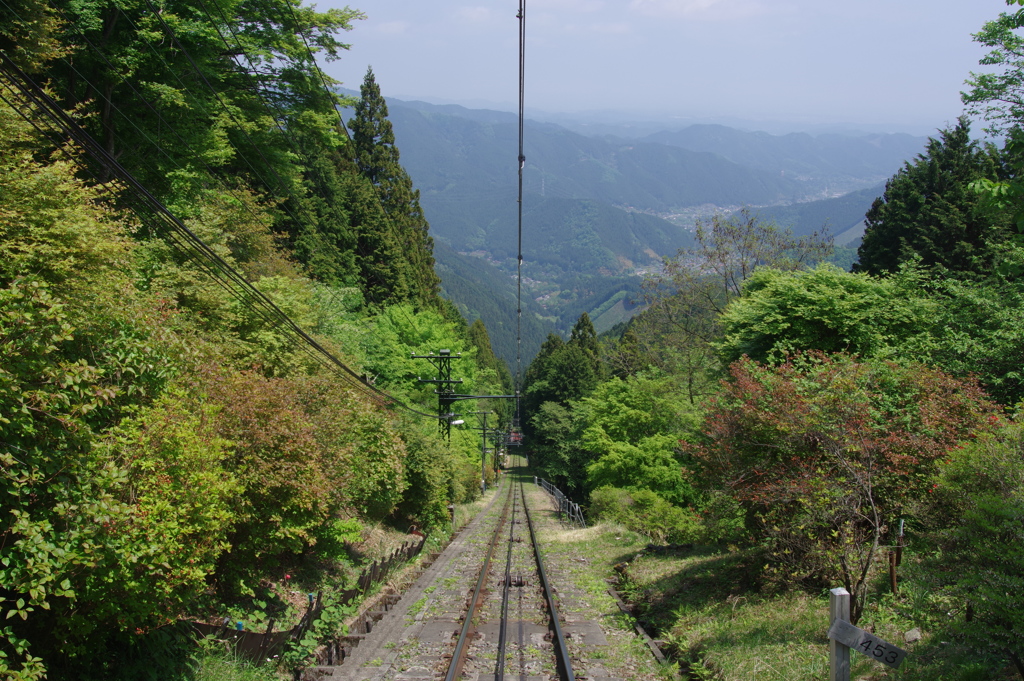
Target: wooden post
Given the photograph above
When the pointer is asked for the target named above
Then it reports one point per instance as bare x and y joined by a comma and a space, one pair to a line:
893, 562
838, 653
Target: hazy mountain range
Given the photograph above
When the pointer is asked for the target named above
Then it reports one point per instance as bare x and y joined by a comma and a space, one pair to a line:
599, 211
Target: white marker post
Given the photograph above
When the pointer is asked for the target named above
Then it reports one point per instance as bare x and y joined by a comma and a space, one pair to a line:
842, 636
838, 653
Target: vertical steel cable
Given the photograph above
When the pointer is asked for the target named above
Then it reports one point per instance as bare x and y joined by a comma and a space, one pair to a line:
522, 164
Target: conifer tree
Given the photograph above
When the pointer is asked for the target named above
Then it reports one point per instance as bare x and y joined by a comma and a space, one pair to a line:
404, 236
325, 241
929, 209
485, 353
584, 336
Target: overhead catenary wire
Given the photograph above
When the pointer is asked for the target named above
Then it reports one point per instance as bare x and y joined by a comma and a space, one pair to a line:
522, 164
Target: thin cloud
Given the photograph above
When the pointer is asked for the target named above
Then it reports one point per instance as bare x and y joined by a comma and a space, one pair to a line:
616, 28
570, 5
700, 9
391, 27
474, 15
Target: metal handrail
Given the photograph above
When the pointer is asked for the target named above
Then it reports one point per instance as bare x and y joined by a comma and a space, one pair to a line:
568, 511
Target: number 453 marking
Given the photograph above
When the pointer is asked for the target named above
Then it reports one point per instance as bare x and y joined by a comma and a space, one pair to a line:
876, 648
866, 643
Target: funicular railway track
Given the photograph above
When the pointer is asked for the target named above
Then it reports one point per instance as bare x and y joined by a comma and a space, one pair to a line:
488, 612
515, 654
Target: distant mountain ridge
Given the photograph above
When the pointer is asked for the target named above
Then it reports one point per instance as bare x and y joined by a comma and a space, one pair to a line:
595, 208
450, 154
844, 160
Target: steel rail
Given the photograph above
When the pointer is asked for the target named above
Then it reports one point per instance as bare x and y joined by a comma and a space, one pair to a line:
499, 669
561, 651
459, 656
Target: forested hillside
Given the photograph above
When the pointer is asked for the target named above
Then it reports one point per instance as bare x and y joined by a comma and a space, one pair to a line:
603, 209
649, 176
213, 292
209, 299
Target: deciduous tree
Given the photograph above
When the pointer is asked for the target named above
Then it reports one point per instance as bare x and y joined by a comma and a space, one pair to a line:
826, 451
696, 285
823, 309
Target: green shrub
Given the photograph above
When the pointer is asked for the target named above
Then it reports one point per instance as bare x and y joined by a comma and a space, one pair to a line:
429, 472
979, 495
723, 519
332, 536
466, 481
645, 512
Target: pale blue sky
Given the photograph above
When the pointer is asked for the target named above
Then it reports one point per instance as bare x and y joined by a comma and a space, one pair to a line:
897, 63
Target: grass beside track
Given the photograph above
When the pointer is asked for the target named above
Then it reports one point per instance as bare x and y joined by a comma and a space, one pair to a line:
704, 603
579, 565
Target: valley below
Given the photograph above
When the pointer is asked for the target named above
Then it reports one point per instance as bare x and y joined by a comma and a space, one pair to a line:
601, 212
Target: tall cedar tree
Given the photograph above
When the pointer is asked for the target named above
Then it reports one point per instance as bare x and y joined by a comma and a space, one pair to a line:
486, 359
405, 239
929, 210
562, 371
584, 336
325, 241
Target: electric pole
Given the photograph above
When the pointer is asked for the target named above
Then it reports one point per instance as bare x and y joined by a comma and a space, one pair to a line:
442, 361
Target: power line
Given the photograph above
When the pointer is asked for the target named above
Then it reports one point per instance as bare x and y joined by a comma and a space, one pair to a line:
43, 105
522, 164
173, 37
187, 244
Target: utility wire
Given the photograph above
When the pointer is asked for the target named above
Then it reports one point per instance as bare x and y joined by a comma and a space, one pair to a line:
341, 124
217, 96
299, 29
522, 165
43, 105
195, 67
173, 37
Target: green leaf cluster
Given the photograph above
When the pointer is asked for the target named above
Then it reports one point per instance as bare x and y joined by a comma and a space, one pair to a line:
161, 444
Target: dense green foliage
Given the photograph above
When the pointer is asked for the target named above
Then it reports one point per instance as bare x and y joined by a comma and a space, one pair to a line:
981, 488
930, 211
166, 452
769, 400
822, 309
